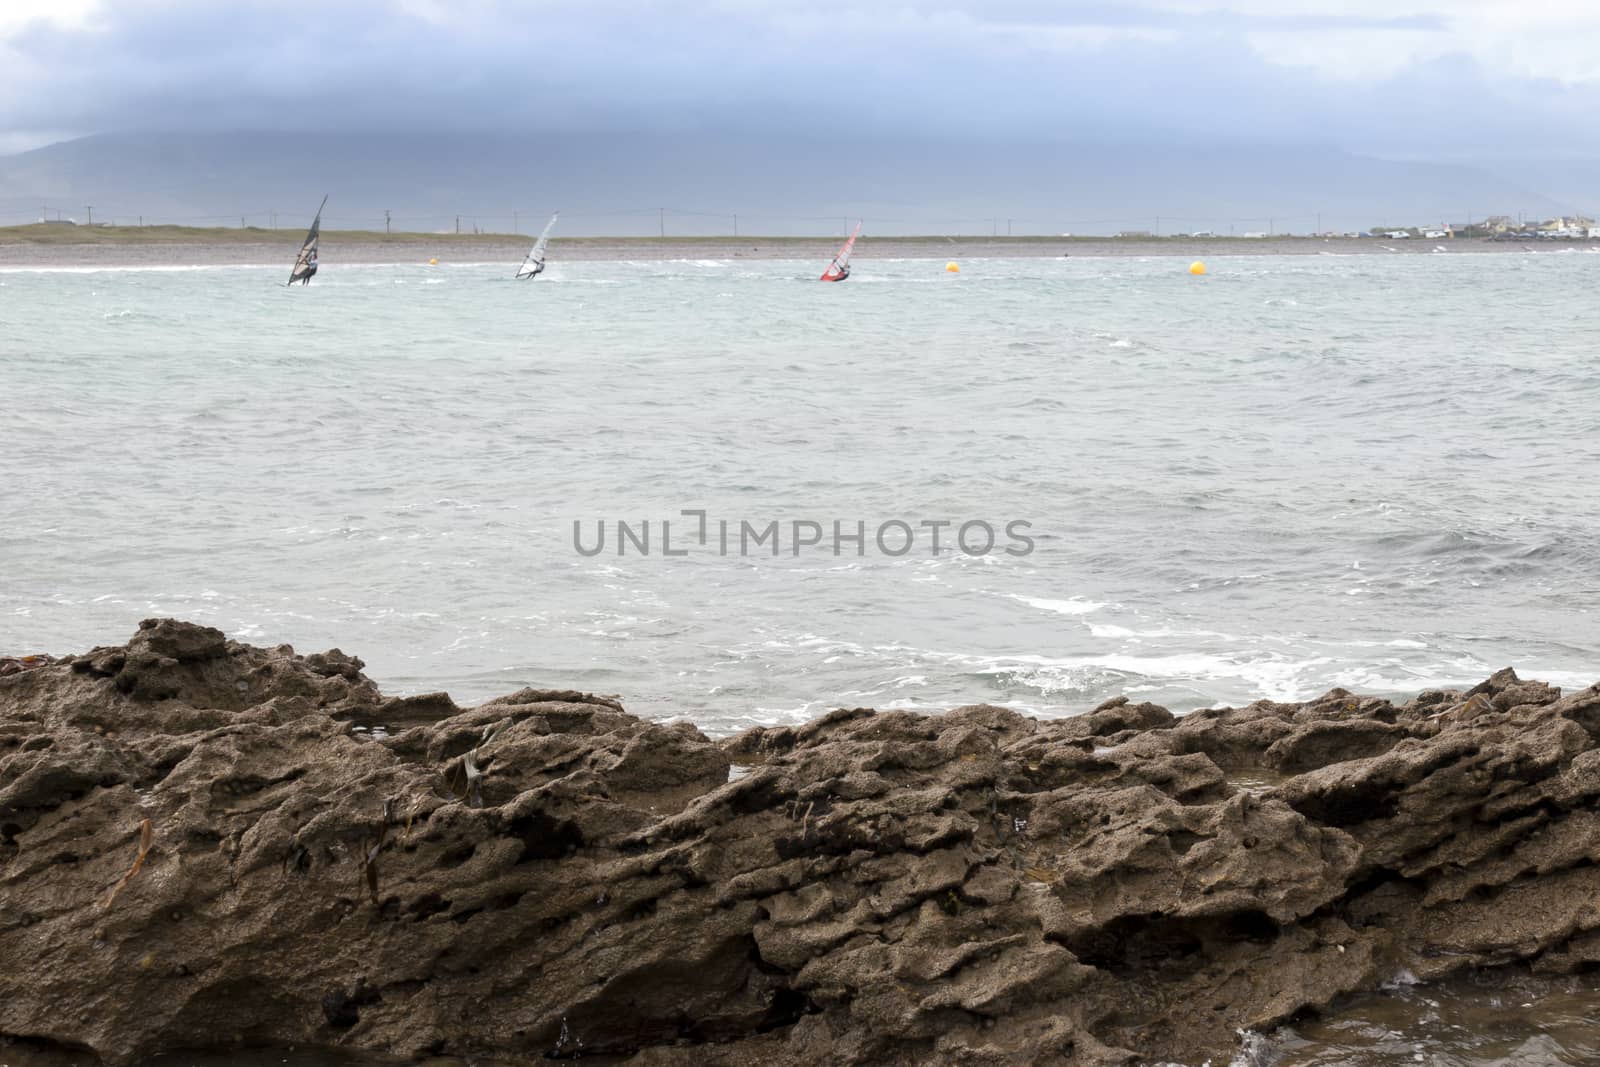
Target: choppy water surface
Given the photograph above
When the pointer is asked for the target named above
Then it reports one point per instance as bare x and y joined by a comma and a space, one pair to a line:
1296, 473
1292, 474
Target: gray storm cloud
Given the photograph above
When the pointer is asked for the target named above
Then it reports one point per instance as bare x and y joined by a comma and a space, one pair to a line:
1014, 70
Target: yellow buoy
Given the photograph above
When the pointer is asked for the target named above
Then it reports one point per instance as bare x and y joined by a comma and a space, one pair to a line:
1197, 267
953, 268
433, 262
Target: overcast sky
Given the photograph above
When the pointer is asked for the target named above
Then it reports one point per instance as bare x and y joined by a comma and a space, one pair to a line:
1396, 77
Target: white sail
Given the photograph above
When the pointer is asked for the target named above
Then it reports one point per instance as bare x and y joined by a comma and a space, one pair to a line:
535, 261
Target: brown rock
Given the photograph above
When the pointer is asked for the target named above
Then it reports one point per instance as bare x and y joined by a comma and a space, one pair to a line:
546, 875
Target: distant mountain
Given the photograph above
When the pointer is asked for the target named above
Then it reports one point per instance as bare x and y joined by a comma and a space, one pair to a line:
1573, 182
614, 184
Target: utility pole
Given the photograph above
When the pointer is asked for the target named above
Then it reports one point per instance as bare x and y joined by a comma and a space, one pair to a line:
1008, 227
241, 222
1271, 227
663, 212
1158, 225
515, 225
736, 224
386, 222
458, 224
90, 210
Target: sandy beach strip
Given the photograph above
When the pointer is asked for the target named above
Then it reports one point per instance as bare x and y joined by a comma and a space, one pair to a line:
236, 248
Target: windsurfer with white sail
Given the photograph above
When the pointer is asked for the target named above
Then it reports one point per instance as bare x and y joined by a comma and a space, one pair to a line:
533, 265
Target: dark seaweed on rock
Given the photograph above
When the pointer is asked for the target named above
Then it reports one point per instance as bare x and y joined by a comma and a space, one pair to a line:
464, 777
1123, 887
18, 664
146, 840
369, 860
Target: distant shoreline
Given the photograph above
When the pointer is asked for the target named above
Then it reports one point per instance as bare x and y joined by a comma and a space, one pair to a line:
154, 246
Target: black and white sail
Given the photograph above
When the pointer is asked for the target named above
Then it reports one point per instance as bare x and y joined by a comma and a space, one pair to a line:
305, 264
535, 261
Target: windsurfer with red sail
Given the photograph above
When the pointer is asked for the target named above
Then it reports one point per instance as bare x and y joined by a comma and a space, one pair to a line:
839, 269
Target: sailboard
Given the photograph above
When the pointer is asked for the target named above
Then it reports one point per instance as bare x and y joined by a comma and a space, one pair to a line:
534, 264
839, 269
305, 264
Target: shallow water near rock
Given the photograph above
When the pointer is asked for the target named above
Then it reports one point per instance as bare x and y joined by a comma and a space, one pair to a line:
1495, 1019
1492, 1019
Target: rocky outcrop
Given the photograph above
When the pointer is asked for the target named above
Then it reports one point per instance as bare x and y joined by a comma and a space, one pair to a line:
209, 845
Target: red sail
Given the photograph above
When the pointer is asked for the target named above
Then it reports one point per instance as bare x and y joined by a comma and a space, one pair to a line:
839, 269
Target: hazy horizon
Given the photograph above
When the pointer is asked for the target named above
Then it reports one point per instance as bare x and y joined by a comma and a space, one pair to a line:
932, 116
690, 185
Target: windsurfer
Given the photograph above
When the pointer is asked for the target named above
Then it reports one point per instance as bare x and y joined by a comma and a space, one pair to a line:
311, 268
839, 269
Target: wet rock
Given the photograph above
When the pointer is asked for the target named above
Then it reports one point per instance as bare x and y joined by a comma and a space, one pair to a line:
547, 875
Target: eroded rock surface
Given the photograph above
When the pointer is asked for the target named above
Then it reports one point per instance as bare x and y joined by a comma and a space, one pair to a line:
209, 845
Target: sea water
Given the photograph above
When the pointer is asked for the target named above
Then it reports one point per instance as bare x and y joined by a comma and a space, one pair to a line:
1291, 474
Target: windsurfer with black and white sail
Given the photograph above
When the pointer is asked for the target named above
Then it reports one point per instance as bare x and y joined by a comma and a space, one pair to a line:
305, 263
